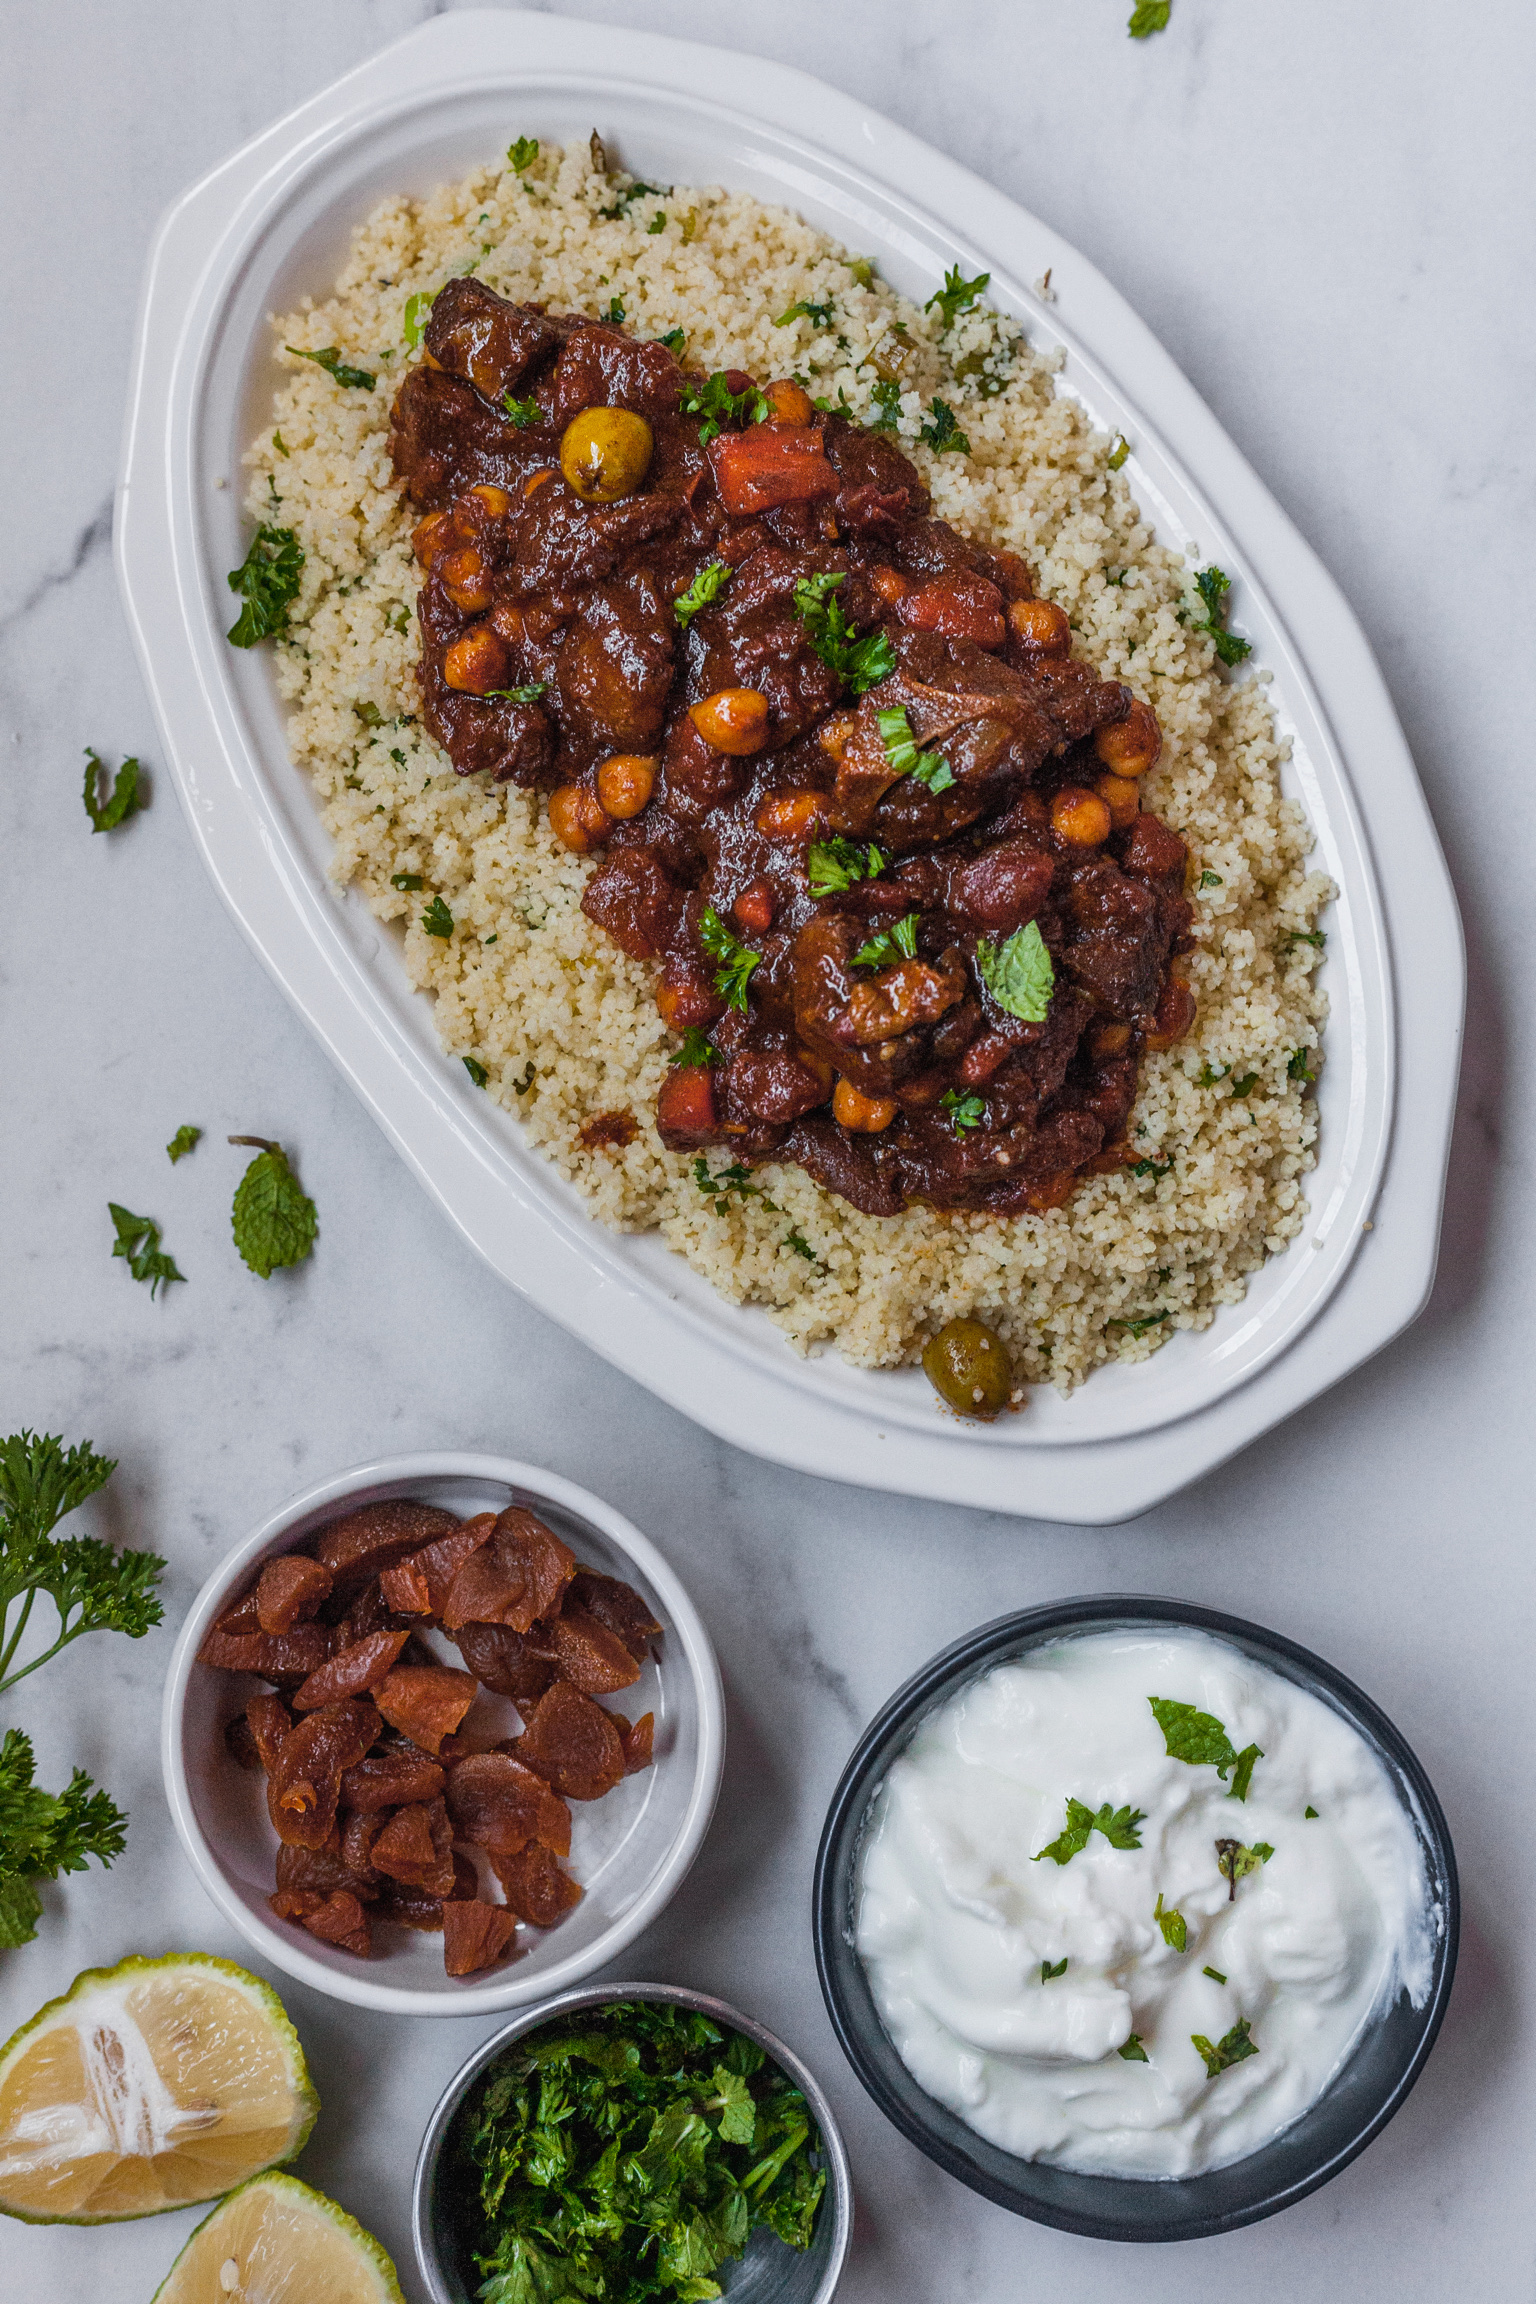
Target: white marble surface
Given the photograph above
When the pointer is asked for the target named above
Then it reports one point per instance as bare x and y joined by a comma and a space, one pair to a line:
1322, 211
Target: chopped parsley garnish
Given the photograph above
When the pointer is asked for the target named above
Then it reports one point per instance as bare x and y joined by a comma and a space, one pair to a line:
940, 430
522, 153
267, 580
734, 960
890, 946
1233, 2046
964, 1111
930, 768
416, 309
1152, 1168
629, 2152
719, 405
836, 864
1120, 1827
1215, 1975
437, 919
859, 662
1210, 879
123, 799
1048, 1973
279, 444
1139, 1327
138, 1240
1234, 1862
696, 1048
93, 1588
358, 379
1312, 936
406, 882
1133, 2051
182, 1142
1309, 1812
795, 1240
957, 294
819, 315
476, 1070
628, 197
1173, 1925
45, 1833
616, 313
1209, 1074
521, 1087
1298, 1067
529, 693
273, 1218
733, 1180
522, 413
1147, 17
658, 222
675, 341
886, 396
1200, 1741
1213, 588
708, 585
1117, 456
1018, 973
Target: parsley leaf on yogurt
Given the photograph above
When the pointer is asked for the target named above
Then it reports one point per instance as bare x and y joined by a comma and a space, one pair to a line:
1120, 1827
1230, 2049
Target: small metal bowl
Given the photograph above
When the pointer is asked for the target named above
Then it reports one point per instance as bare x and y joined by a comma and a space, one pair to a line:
768, 2273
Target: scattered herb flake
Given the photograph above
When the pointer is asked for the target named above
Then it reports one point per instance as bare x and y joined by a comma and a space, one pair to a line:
930, 768
1213, 587
835, 864
138, 1240
1049, 1973
696, 1048
675, 340
1117, 456
123, 799
437, 919
1234, 1862
1246, 1085
735, 1180
1215, 1974
1230, 2049
860, 662
819, 315
406, 882
1298, 1067
1209, 1074
182, 1142
1173, 1925
615, 314
273, 1219
279, 444
1140, 1326
964, 1111
886, 395
1018, 973
706, 587
522, 413
957, 295
522, 153
891, 945
1133, 2051
1147, 17
356, 379
1210, 879
268, 581
529, 693
1242, 1771
795, 1240
1120, 1827
476, 1070
658, 222
719, 405
940, 431
734, 960
1313, 936
1309, 1812
521, 1087
415, 324
1152, 1168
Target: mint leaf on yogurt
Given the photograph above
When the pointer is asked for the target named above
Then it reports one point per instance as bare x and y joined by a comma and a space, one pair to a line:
1120, 1827
1200, 1741
1230, 2049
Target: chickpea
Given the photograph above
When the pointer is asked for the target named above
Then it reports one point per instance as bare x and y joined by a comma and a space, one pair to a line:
576, 819
685, 1000
835, 733
788, 403
791, 815
1040, 625
496, 500
467, 579
1080, 818
431, 536
605, 453
891, 585
755, 907
863, 1115
733, 720
625, 783
1122, 796
1133, 746
476, 662
1107, 1039
968, 1366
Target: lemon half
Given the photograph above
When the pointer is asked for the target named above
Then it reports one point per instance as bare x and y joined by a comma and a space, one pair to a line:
148, 2086
277, 2241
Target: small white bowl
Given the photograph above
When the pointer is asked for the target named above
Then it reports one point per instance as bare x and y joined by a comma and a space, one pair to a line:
629, 1851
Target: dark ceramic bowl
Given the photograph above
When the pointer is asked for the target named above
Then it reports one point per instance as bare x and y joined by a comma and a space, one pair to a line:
1356, 2105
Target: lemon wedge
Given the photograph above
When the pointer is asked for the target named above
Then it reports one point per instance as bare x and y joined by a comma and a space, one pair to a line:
277, 2241
148, 2086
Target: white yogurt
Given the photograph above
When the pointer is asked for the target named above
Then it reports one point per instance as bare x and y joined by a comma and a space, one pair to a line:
955, 1922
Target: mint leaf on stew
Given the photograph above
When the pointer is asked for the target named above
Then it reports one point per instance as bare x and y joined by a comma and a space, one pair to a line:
273, 1218
1018, 973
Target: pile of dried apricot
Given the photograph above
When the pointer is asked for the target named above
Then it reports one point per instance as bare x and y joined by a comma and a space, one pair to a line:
380, 1803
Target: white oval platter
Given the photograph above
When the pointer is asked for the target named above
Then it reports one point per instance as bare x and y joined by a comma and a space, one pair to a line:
272, 224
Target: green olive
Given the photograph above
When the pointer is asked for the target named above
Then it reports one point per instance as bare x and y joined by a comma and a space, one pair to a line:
968, 1366
605, 453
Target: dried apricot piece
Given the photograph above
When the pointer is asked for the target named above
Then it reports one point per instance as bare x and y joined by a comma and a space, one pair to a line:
536, 1888
352, 1672
368, 1612
414, 1908
375, 1536
391, 1779
358, 1835
242, 1617
285, 1658
416, 1846
270, 1720
572, 1743
475, 1934
321, 1871
425, 1701
241, 1744
336, 1919
619, 1607
636, 1741
504, 1661
305, 1783
499, 1805
517, 1577
438, 1564
591, 1657
290, 1590
406, 1590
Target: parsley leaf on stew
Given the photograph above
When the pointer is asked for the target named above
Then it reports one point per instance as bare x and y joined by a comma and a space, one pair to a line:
476, 1071
836, 864
860, 662
331, 361
1018, 973
708, 585
675, 340
1147, 17
182, 1142
1172, 1923
719, 405
941, 431
1230, 2049
274, 1221
523, 152
1120, 1827
964, 1111
123, 799
1133, 2051
138, 1240
522, 413
890, 946
437, 919
416, 310
267, 580
1213, 588
819, 315
957, 294
930, 768
529, 693
696, 1048
734, 960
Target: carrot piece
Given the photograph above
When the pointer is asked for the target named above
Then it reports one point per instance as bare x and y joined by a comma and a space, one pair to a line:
771, 464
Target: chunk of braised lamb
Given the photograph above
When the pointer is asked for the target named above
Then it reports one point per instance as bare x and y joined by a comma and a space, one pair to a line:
391, 1778
535, 1887
415, 1847
601, 367
497, 1804
290, 1591
960, 604
511, 743
356, 1547
572, 1743
619, 1606
504, 1661
861, 1169
516, 1578
863, 459
475, 1934
351, 1672
768, 1085
487, 341
559, 542
832, 1001
614, 666
444, 439
872, 514
635, 898
754, 639
1152, 852
1071, 694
